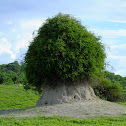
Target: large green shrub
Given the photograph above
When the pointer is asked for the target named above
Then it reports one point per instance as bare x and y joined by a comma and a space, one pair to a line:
63, 50
105, 89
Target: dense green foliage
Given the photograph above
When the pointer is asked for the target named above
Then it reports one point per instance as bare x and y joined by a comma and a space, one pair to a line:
15, 96
12, 73
63, 50
115, 78
111, 87
62, 121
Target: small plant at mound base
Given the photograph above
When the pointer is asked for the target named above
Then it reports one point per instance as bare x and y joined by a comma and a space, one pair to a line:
63, 51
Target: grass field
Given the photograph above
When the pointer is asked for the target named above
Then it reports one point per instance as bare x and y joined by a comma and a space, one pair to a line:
62, 121
122, 103
14, 96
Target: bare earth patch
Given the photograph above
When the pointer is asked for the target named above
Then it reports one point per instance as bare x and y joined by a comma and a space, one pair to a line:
81, 109
66, 93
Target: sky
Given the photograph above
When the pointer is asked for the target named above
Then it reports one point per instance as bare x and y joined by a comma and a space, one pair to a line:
105, 18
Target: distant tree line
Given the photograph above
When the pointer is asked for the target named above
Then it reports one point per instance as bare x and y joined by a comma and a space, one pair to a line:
13, 73
116, 78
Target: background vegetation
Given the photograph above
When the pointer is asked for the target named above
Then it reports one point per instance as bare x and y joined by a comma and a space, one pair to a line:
110, 87
13, 73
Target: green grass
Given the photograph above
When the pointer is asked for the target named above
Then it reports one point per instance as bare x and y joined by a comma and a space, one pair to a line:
62, 121
122, 103
15, 96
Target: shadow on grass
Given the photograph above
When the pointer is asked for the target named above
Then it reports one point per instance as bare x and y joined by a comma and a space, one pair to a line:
5, 112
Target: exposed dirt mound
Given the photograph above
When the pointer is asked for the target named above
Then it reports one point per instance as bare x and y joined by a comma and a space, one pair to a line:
85, 109
66, 94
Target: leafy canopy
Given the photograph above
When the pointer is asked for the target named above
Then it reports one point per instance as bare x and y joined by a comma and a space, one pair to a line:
63, 50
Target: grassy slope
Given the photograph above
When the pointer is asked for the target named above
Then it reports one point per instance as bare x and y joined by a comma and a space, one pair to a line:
62, 121
14, 96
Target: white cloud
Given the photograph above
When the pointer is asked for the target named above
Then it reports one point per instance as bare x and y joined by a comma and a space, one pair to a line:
23, 41
110, 42
9, 22
120, 72
102, 10
19, 37
117, 58
32, 24
22, 35
118, 64
111, 33
25, 35
118, 50
13, 30
5, 47
1, 33
120, 46
120, 60
118, 21
123, 5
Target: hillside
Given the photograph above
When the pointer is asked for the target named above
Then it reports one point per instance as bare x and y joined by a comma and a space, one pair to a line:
15, 96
